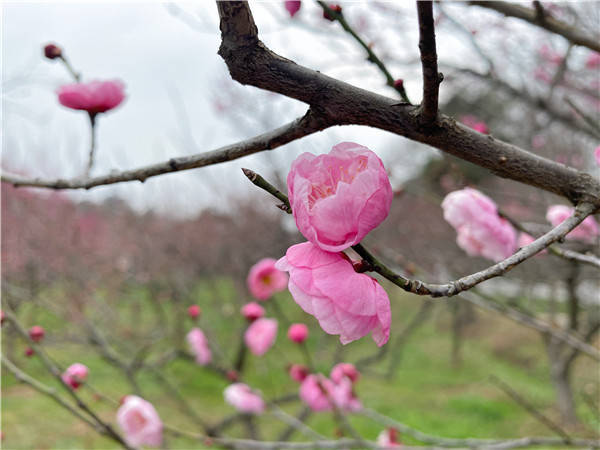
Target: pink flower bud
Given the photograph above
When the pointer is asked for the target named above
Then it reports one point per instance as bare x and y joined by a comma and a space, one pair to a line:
194, 311
252, 311
335, 8
292, 6
93, 97
298, 332
399, 83
264, 279
36, 333
480, 230
320, 394
240, 396
140, 422
344, 302
339, 197
586, 231
388, 438
261, 335
199, 346
232, 375
342, 370
52, 51
298, 372
1, 317
29, 352
75, 375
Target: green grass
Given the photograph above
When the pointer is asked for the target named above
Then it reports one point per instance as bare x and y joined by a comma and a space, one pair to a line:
426, 391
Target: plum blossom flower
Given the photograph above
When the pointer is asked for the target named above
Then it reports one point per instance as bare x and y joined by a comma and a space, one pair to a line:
388, 438
93, 97
586, 231
199, 346
264, 279
36, 333
292, 6
320, 394
337, 198
474, 123
75, 375
480, 230
240, 396
252, 311
298, 372
298, 332
261, 335
344, 302
140, 422
344, 370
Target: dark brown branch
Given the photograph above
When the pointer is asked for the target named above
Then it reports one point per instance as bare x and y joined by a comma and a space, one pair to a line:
308, 124
431, 77
542, 20
252, 63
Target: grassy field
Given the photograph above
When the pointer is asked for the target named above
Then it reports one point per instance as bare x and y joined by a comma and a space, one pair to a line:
426, 392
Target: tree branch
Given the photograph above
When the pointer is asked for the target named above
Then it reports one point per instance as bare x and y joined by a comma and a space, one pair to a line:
545, 21
431, 77
252, 63
308, 124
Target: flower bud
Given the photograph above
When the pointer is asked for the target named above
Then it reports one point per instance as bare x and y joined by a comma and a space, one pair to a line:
194, 311
298, 372
252, 311
36, 333
399, 83
29, 352
52, 51
335, 8
297, 332
232, 376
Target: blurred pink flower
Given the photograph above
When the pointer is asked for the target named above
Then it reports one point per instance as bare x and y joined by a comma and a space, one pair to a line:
261, 335
480, 230
75, 375
199, 346
474, 123
298, 332
586, 231
298, 372
344, 370
526, 239
597, 155
93, 97
264, 279
36, 333
140, 422
194, 311
320, 393
344, 302
240, 396
593, 60
388, 438
339, 197
292, 6
252, 311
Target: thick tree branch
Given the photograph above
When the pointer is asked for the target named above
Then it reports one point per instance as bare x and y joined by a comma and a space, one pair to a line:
431, 77
542, 20
250, 62
308, 124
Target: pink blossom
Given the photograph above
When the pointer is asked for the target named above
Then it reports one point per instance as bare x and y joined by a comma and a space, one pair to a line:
526, 239
344, 302
140, 422
297, 332
597, 155
252, 311
474, 123
29, 352
292, 7
586, 231
199, 346
240, 396
344, 370
194, 311
261, 335
298, 372
320, 394
93, 97
36, 333
75, 375
480, 230
339, 197
388, 438
593, 60
264, 279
